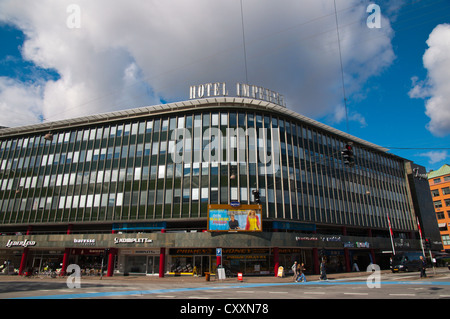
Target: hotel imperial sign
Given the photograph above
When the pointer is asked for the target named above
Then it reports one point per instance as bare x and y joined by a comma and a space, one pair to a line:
242, 90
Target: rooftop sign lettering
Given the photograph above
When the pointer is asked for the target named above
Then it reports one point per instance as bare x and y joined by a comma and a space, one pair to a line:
242, 90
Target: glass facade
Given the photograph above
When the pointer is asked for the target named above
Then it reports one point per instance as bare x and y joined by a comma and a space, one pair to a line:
170, 166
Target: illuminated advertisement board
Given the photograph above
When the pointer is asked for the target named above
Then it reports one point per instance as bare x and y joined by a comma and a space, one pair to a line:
226, 218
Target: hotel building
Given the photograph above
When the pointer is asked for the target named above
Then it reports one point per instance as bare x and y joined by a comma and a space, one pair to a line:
136, 189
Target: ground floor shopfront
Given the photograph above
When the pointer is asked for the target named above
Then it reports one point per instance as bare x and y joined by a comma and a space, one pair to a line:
161, 253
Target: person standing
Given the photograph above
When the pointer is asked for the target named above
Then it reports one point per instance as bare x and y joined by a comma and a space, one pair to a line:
323, 270
294, 268
422, 267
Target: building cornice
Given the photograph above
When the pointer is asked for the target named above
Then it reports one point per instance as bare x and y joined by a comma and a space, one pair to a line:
215, 102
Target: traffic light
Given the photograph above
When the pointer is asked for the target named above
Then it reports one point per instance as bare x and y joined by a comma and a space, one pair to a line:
255, 193
347, 154
427, 244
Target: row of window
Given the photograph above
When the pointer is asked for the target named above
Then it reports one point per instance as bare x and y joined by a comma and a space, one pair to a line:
438, 203
442, 215
441, 179
436, 193
126, 165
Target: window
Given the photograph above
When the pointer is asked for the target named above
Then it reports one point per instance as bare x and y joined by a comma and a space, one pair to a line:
137, 173
195, 194
437, 204
435, 192
446, 191
204, 194
168, 196
446, 239
161, 171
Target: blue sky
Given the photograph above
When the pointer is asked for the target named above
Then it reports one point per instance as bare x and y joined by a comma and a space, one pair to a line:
62, 59
395, 120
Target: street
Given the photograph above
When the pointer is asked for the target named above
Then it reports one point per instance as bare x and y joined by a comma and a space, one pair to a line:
354, 286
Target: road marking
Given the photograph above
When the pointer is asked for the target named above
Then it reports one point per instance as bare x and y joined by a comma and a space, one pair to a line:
403, 295
245, 292
75, 293
163, 296
278, 292
195, 297
356, 293
444, 296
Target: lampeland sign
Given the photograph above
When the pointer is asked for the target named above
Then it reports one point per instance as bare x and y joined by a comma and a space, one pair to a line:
242, 90
20, 243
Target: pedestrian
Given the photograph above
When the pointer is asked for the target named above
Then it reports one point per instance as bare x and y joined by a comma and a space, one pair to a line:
294, 269
323, 270
422, 267
301, 273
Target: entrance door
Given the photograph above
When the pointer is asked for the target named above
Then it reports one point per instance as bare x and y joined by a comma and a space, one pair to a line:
152, 265
37, 264
202, 264
205, 264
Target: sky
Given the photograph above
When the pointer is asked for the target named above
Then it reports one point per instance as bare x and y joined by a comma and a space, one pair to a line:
378, 70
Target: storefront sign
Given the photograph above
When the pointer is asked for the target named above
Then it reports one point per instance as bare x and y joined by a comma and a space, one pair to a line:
349, 245
298, 238
20, 243
363, 244
331, 238
118, 240
86, 251
86, 242
293, 226
142, 252
191, 251
242, 90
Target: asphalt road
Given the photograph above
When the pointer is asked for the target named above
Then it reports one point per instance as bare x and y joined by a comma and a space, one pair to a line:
357, 286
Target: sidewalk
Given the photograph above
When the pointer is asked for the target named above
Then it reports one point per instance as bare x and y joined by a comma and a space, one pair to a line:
188, 278
246, 279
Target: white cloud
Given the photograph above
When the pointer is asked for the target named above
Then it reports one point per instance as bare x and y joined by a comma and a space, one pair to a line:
340, 115
25, 99
435, 156
132, 53
436, 88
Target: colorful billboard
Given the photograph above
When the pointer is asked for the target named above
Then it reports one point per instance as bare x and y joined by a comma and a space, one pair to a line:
244, 218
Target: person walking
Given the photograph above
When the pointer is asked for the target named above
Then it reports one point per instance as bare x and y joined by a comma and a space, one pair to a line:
323, 270
294, 269
301, 273
423, 267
